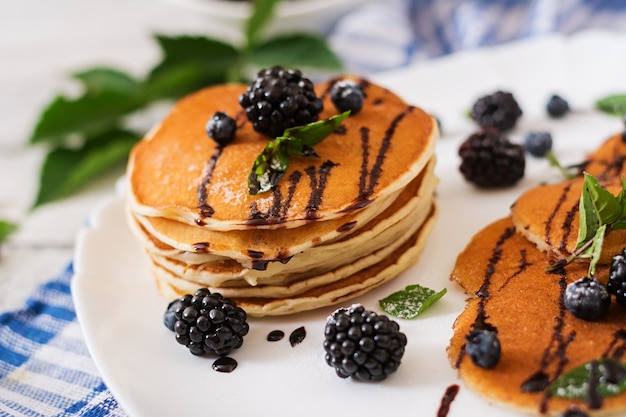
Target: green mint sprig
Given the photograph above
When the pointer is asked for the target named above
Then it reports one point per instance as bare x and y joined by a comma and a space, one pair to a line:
92, 133
607, 376
600, 212
6, 229
568, 172
272, 163
614, 104
411, 301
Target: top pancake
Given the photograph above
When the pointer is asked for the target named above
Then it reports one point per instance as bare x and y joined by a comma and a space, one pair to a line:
548, 215
178, 172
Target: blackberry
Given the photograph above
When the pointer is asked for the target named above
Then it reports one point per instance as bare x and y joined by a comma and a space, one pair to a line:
278, 99
483, 347
490, 160
557, 106
499, 110
363, 345
586, 298
538, 143
221, 128
347, 95
617, 278
209, 323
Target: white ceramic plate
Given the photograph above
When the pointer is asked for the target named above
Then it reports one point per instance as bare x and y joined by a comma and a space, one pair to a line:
151, 375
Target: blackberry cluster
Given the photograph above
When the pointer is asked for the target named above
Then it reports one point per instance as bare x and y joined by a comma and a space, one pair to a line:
498, 110
617, 278
490, 160
206, 322
363, 345
483, 347
278, 99
586, 298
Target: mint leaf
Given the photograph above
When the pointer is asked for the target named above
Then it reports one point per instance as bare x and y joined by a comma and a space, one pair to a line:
410, 302
6, 229
607, 375
596, 249
606, 206
271, 164
90, 114
66, 170
315, 132
296, 50
212, 59
567, 172
99, 79
262, 13
614, 104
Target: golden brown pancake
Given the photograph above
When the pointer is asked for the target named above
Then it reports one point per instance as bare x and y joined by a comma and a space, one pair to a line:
333, 291
540, 339
178, 173
549, 215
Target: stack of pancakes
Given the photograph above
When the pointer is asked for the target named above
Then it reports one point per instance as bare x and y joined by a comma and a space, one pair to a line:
334, 226
504, 266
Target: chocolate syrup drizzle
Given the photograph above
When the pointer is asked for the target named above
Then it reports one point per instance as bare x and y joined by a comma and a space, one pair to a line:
279, 208
368, 178
559, 203
205, 209
480, 322
318, 184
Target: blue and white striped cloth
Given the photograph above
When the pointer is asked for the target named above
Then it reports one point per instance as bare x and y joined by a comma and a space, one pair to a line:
45, 368
392, 33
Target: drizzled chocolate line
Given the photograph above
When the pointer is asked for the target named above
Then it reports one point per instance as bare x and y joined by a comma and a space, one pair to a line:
368, 178
480, 322
278, 211
205, 209
523, 264
617, 347
567, 225
318, 185
559, 203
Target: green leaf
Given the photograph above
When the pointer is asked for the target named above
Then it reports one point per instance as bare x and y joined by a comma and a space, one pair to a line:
271, 164
6, 229
96, 80
567, 172
607, 207
66, 170
588, 222
90, 114
212, 58
263, 12
614, 104
296, 51
410, 302
576, 383
596, 249
315, 132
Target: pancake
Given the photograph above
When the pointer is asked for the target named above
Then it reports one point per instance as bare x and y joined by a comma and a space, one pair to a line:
178, 173
549, 215
405, 212
336, 290
540, 340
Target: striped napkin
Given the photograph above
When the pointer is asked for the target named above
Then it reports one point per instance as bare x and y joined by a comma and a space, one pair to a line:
45, 368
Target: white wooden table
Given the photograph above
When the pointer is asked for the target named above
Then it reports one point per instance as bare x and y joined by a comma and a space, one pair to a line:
41, 42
